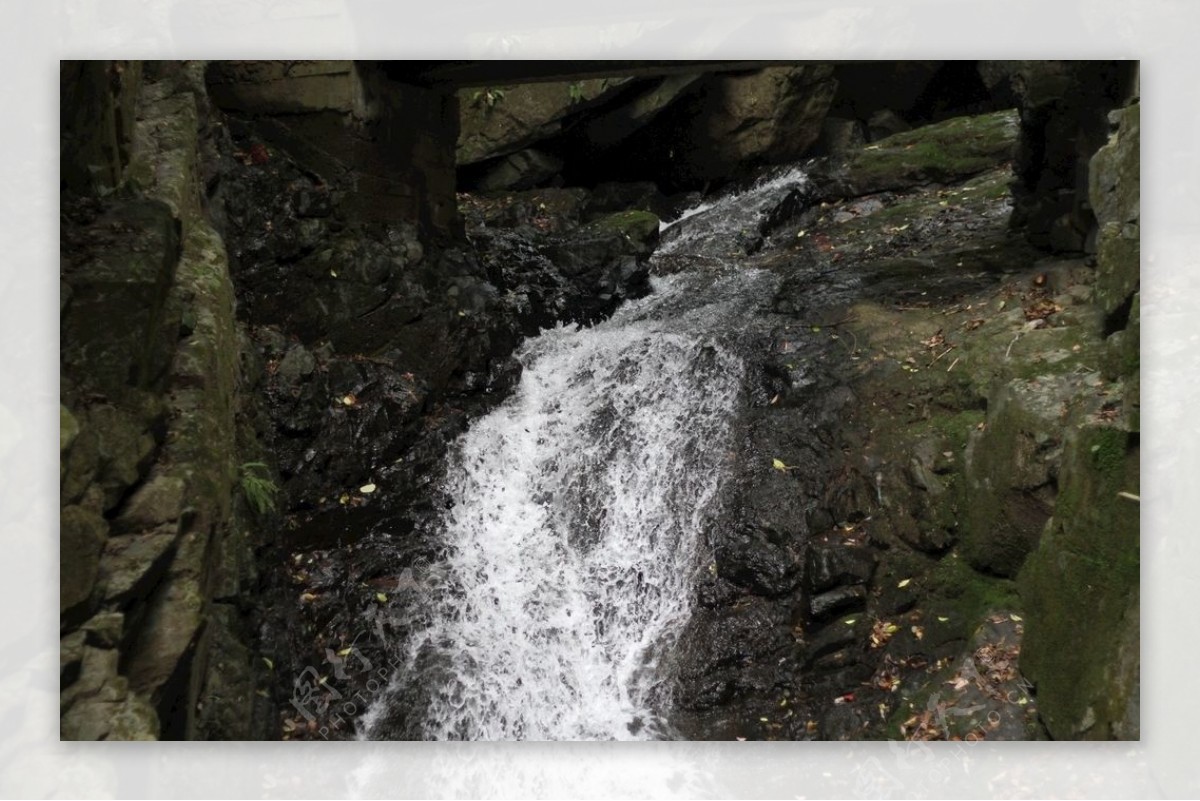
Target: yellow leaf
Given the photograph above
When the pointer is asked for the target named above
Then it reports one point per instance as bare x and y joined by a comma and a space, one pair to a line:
367, 489
270, 664
904, 583
345, 651
1017, 618
307, 596
851, 621
778, 464
942, 619
381, 597
765, 720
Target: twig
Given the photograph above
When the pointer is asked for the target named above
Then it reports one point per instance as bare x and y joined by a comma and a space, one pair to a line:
943, 353
951, 367
1010, 344
1130, 496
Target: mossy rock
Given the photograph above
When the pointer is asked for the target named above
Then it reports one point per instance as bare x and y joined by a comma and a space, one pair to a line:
946, 151
1010, 473
1078, 588
639, 228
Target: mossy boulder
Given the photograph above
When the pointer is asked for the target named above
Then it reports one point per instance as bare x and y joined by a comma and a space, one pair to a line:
1080, 590
940, 153
1011, 471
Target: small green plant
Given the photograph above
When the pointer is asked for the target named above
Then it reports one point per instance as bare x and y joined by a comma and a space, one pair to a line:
575, 91
258, 487
487, 97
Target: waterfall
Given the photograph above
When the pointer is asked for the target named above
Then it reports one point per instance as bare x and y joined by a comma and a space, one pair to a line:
575, 526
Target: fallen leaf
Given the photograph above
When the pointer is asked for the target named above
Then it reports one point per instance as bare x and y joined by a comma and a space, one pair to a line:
349, 400
778, 464
367, 489
345, 651
269, 663
381, 597
942, 619
307, 596
1017, 618
904, 583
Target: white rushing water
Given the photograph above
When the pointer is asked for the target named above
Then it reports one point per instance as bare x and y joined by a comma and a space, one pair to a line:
576, 519
578, 509
711, 224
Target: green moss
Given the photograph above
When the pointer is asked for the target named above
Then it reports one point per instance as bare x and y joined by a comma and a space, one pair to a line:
1107, 451
1079, 585
965, 596
635, 224
956, 147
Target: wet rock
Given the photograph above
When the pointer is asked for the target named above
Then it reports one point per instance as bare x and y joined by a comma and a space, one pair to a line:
713, 592
833, 637
296, 365
753, 631
82, 534
836, 600
829, 565
750, 561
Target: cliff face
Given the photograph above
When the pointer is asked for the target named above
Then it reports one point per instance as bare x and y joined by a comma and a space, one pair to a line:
157, 552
